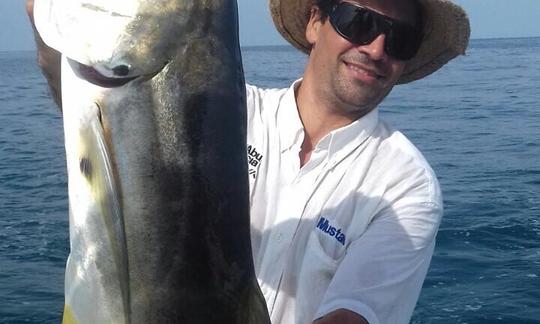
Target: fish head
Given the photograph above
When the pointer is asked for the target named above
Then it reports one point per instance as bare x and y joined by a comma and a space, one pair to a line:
120, 38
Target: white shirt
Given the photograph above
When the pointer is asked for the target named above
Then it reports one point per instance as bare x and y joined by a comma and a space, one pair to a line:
353, 228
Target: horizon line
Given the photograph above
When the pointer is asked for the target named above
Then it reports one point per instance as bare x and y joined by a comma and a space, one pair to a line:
289, 45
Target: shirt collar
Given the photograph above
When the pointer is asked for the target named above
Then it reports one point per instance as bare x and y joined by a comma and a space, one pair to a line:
339, 143
291, 129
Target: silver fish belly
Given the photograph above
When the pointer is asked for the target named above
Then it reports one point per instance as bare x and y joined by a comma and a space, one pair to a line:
155, 123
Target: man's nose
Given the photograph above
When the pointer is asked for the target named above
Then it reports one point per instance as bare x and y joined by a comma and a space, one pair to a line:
375, 49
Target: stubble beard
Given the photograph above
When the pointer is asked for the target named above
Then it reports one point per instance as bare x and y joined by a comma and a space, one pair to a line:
354, 97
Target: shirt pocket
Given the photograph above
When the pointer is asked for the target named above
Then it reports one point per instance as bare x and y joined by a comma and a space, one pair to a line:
318, 269
329, 239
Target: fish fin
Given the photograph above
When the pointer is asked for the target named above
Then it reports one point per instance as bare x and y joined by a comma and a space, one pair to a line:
68, 317
107, 195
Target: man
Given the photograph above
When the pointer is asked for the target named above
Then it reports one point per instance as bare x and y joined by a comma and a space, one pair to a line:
344, 208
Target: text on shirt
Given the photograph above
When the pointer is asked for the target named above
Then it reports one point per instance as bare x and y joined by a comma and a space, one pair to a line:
325, 227
254, 159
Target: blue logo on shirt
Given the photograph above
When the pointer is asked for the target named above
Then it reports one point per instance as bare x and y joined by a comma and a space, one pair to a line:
325, 227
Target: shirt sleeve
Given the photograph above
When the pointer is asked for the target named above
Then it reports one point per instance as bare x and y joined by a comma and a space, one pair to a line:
381, 275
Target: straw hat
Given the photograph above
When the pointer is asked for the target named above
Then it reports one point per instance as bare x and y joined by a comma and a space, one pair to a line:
446, 33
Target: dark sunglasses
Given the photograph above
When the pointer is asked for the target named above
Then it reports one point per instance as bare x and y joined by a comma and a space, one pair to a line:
361, 26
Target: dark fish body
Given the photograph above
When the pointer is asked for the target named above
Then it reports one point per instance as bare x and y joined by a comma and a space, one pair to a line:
155, 142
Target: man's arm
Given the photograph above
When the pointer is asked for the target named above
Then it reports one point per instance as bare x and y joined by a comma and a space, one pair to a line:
48, 59
341, 316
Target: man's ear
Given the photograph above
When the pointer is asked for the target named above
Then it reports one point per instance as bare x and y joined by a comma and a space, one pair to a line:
314, 25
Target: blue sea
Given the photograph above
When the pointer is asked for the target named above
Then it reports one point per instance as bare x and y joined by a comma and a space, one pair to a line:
477, 121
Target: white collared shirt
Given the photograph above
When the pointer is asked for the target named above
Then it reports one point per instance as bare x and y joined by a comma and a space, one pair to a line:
353, 228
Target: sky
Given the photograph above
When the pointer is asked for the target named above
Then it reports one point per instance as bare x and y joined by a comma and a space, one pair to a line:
489, 19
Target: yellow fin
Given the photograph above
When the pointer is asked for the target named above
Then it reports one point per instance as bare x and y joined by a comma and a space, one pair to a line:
68, 316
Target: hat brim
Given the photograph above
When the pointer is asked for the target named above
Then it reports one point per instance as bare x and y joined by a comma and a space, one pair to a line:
446, 33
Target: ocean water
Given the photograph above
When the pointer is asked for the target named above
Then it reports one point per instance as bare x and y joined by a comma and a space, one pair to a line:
477, 121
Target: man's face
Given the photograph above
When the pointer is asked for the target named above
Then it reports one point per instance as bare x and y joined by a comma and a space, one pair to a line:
355, 78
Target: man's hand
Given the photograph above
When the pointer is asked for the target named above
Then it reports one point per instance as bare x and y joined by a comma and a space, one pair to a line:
341, 316
48, 59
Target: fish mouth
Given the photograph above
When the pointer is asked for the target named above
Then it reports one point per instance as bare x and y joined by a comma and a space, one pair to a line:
93, 76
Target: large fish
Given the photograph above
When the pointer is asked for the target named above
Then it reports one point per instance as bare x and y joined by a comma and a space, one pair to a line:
154, 119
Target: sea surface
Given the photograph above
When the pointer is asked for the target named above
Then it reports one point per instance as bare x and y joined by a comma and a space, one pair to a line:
477, 121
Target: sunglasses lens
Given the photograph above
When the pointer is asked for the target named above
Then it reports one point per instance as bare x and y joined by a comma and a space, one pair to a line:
361, 26
354, 24
403, 42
